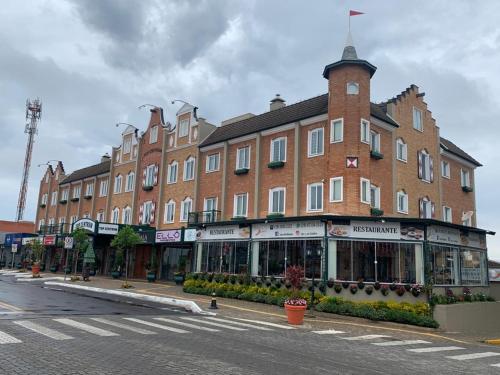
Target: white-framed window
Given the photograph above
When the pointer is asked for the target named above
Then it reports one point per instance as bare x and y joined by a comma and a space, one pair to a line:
402, 203
426, 208
277, 200
374, 196
130, 182
62, 221
447, 216
401, 150
240, 205
243, 158
153, 134
337, 130
52, 222
425, 166
103, 188
89, 189
466, 220
100, 216
45, 198
336, 189
76, 191
183, 128
212, 162
210, 206
172, 169
189, 169
374, 141
465, 178
65, 194
352, 88
147, 212
41, 224
278, 149
169, 212
445, 169
118, 184
86, 215
127, 215
115, 215
315, 197
53, 198
150, 175
365, 131
186, 205
315, 142
127, 145
73, 219
117, 157
417, 120
364, 190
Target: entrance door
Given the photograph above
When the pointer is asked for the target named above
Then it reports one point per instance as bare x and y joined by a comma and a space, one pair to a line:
174, 259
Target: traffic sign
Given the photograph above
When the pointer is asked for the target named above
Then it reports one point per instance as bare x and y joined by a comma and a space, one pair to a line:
68, 242
14, 247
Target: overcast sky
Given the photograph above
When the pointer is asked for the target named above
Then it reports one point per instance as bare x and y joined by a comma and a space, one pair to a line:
94, 62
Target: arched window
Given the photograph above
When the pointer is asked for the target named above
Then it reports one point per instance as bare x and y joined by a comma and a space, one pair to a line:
402, 198
186, 206
169, 211
189, 169
130, 182
115, 215
118, 184
173, 167
127, 215
401, 150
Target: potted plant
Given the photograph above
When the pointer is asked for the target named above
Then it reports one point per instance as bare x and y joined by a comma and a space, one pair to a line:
37, 250
151, 267
337, 287
295, 306
117, 265
179, 277
125, 240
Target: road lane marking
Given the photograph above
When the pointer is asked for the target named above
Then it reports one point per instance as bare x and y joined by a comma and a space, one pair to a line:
365, 337
202, 321
265, 323
465, 357
8, 339
189, 325
400, 343
434, 349
53, 334
328, 332
160, 326
124, 326
86, 327
9, 307
246, 325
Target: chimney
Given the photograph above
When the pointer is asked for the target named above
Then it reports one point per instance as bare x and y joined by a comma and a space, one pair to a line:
277, 103
105, 157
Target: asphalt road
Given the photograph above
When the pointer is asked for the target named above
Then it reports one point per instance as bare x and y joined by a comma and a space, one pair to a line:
45, 331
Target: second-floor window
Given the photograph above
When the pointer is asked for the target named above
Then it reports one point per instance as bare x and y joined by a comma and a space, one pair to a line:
374, 141
118, 184
277, 201
315, 142
365, 131
53, 198
185, 209
243, 158
100, 216
401, 150
402, 202
374, 196
212, 163
150, 175
425, 166
76, 191
445, 169
337, 130
148, 212
447, 214
172, 172
153, 134
183, 128
103, 188
210, 206
127, 215
65, 194
336, 189
89, 190
189, 169
115, 215
130, 182
465, 178
315, 197
278, 149
365, 191
417, 120
426, 208
45, 198
169, 212
240, 205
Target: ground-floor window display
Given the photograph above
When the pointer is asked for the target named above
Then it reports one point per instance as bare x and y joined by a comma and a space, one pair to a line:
175, 259
223, 256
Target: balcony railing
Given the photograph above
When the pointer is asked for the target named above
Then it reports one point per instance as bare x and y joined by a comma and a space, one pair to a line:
204, 217
55, 229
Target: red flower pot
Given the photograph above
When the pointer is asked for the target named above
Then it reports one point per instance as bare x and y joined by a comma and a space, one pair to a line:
35, 270
295, 314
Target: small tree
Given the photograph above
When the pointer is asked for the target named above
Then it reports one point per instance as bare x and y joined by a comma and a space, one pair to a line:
125, 240
37, 249
80, 242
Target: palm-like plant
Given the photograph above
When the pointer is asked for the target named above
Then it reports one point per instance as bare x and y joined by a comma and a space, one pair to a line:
125, 240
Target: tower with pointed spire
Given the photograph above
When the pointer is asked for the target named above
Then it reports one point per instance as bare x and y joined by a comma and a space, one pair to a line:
349, 117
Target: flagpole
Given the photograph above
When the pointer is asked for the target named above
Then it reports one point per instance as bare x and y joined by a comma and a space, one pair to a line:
349, 22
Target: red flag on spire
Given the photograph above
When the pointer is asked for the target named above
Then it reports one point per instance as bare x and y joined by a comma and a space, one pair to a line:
354, 13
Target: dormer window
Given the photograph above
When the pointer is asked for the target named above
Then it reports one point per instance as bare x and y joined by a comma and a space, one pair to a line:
153, 134
127, 145
352, 88
183, 127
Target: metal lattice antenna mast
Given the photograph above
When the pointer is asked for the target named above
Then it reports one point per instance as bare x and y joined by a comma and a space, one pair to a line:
33, 114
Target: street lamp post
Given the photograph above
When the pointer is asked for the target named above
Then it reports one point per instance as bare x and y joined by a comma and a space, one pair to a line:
313, 253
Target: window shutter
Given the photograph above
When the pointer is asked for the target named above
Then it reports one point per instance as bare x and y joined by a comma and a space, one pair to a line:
152, 216
141, 210
433, 210
155, 179
419, 157
144, 172
431, 168
421, 208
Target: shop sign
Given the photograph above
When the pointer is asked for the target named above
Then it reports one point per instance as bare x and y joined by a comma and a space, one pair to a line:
173, 235
147, 236
49, 240
494, 274
313, 228
228, 232
473, 239
14, 248
27, 240
189, 235
412, 232
447, 235
86, 224
366, 229
104, 228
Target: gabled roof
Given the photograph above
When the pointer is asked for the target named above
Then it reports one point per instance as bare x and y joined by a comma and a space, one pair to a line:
286, 115
93, 170
457, 151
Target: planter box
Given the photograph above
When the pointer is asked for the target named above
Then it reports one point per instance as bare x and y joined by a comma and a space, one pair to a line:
276, 164
147, 188
53, 269
467, 189
63, 201
179, 279
75, 199
151, 277
238, 218
241, 171
43, 205
376, 155
87, 197
115, 274
275, 216
376, 212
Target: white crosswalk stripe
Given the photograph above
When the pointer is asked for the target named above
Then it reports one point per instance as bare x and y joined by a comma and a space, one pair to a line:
124, 326
434, 349
365, 337
189, 325
465, 357
86, 327
400, 343
246, 325
155, 325
328, 332
495, 365
8, 339
202, 321
265, 323
53, 334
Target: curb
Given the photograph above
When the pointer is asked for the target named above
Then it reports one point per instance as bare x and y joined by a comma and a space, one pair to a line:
493, 341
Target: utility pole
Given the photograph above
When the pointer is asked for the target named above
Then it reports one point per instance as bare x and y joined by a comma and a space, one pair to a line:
33, 114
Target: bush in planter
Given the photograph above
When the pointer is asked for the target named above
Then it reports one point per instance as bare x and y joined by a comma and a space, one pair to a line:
400, 290
393, 286
353, 288
288, 285
361, 284
268, 283
407, 287
330, 283
232, 279
369, 289
259, 283
384, 289
345, 284
277, 283
416, 289
376, 285
337, 287
210, 277
322, 288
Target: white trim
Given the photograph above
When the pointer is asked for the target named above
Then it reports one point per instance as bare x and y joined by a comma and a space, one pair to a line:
332, 180
309, 134
212, 147
466, 173
271, 153
341, 119
362, 121
183, 203
205, 203
421, 119
458, 159
129, 210
169, 169
242, 139
270, 201
185, 169
398, 194
235, 206
382, 124
238, 156
367, 191
448, 176
444, 214
308, 203
165, 215
207, 163
375, 204
313, 120
401, 141
278, 129
153, 130
377, 141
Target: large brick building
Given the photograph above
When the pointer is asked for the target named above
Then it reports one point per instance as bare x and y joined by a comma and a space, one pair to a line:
372, 187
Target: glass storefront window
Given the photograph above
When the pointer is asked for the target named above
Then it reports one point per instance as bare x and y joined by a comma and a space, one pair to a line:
344, 260
227, 257
444, 265
407, 265
472, 269
363, 256
387, 262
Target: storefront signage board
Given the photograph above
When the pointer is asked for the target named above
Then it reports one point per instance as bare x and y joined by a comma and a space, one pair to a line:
189, 235
14, 248
163, 236
301, 229
49, 240
446, 235
228, 232
473, 239
105, 228
366, 229
87, 224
